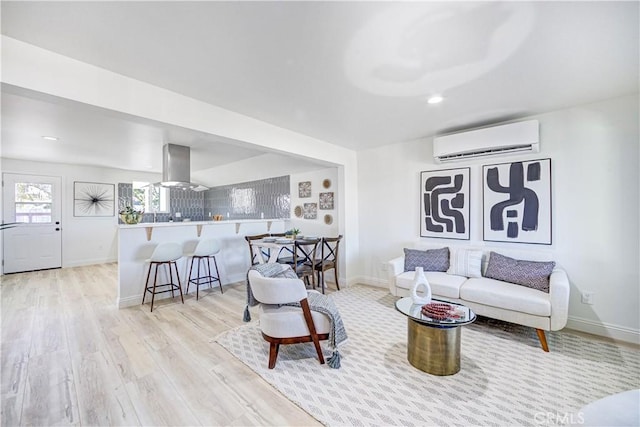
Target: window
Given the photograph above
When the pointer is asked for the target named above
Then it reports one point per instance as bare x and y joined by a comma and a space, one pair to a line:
33, 202
150, 198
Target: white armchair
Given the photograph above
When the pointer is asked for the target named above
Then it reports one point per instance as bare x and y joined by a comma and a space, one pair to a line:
286, 324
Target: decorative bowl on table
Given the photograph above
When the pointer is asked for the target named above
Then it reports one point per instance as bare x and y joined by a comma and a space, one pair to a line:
133, 217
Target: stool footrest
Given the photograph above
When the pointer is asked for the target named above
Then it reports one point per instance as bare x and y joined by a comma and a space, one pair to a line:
204, 280
173, 287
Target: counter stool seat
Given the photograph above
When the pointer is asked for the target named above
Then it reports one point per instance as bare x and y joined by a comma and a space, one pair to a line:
205, 250
164, 254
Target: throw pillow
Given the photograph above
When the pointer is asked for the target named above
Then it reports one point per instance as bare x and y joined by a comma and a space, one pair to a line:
465, 262
429, 260
532, 274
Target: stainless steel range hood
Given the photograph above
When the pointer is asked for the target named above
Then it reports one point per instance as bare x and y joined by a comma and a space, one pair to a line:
176, 168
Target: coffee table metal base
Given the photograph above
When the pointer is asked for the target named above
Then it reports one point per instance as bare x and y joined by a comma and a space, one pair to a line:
432, 349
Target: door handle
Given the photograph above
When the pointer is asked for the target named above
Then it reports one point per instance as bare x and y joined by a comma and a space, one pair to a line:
58, 229
57, 222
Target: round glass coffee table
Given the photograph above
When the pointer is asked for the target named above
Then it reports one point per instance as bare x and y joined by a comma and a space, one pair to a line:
433, 345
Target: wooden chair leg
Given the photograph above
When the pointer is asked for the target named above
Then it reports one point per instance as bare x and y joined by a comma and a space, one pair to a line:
153, 292
146, 284
543, 339
335, 272
215, 263
304, 304
178, 279
189, 275
198, 280
170, 275
273, 354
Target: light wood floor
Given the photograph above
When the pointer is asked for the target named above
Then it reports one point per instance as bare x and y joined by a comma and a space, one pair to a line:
69, 356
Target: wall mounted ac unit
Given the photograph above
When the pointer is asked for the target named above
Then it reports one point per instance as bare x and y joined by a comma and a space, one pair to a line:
503, 139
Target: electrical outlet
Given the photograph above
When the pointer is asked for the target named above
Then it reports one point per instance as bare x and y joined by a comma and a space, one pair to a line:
587, 297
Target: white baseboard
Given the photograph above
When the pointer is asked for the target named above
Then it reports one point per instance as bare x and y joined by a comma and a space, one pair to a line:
608, 330
371, 281
84, 262
234, 278
137, 299
129, 301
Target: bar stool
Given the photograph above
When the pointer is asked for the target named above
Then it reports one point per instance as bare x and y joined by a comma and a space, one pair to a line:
165, 253
206, 249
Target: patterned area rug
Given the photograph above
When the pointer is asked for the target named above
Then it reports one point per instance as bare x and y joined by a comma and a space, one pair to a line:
505, 377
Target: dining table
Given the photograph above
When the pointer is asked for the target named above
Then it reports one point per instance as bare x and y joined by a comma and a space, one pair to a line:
275, 245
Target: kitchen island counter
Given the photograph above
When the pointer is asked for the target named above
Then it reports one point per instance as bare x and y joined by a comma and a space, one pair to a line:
136, 243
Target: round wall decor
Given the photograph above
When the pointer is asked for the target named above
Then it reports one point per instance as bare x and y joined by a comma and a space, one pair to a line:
326, 183
297, 211
328, 219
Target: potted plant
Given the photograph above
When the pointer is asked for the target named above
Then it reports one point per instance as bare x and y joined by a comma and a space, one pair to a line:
128, 215
292, 234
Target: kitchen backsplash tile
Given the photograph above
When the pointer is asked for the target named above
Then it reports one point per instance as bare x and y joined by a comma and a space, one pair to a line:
266, 198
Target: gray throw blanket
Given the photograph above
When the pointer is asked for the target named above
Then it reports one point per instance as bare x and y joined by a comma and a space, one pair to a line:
317, 302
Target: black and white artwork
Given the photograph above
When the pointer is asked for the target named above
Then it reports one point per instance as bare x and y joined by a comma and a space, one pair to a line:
304, 189
517, 202
310, 210
93, 199
326, 200
444, 204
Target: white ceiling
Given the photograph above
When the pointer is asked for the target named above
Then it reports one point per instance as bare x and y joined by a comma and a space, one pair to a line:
356, 74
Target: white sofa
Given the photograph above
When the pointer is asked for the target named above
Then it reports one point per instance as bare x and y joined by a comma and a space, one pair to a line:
494, 298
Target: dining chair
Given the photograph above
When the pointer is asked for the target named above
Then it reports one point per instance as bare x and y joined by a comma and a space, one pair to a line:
255, 252
328, 259
286, 251
303, 260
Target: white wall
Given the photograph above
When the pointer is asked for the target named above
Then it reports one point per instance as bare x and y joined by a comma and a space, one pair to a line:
34, 68
595, 201
316, 227
85, 240
253, 169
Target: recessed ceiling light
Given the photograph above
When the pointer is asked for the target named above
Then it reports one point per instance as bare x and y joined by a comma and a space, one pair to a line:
435, 99
50, 138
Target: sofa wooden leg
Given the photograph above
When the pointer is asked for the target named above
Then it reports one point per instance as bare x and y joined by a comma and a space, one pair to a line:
304, 304
273, 354
543, 339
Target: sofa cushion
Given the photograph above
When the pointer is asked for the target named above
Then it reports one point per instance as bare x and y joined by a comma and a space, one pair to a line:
465, 262
429, 260
442, 284
286, 321
496, 293
532, 274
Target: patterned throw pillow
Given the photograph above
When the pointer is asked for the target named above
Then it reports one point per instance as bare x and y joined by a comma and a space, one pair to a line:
429, 260
532, 274
465, 262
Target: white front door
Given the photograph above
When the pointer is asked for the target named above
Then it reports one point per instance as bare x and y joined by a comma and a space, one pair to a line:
33, 202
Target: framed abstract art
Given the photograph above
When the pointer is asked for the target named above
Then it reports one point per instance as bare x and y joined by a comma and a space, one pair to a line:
444, 203
93, 199
516, 200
